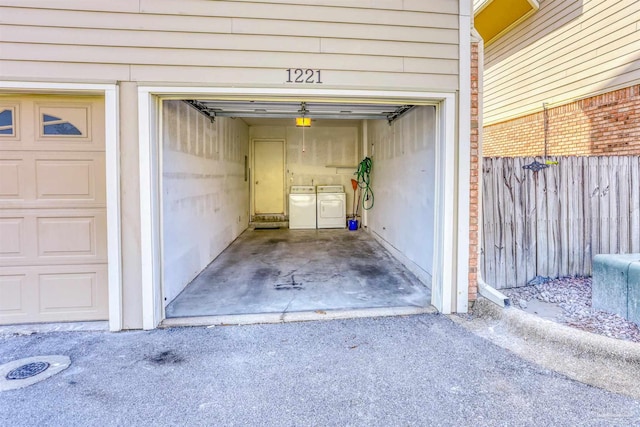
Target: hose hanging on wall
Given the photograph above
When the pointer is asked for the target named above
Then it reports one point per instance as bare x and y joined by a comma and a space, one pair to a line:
364, 178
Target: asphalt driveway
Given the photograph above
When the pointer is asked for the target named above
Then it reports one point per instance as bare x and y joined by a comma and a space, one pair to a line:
416, 370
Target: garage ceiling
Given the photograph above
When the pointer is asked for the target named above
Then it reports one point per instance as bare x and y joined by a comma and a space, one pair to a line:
314, 110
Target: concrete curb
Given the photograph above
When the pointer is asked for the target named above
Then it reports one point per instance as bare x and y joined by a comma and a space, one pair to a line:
579, 342
300, 316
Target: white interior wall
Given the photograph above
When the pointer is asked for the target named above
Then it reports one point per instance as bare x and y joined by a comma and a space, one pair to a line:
330, 155
204, 192
403, 181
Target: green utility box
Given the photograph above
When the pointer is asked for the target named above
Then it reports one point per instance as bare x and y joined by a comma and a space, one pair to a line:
616, 285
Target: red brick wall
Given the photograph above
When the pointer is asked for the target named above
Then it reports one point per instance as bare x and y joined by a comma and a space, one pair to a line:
607, 124
475, 165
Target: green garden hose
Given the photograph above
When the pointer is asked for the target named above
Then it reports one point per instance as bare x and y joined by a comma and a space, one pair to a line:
364, 179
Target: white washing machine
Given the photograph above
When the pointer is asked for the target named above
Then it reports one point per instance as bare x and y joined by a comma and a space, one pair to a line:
302, 207
332, 206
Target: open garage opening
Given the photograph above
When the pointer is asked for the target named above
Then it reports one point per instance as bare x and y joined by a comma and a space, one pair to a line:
228, 168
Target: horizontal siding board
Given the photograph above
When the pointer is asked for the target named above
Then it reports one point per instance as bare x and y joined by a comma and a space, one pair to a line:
71, 19
545, 60
564, 50
295, 12
436, 66
575, 69
564, 40
602, 73
390, 48
435, 6
60, 71
257, 76
549, 18
619, 78
564, 57
157, 39
568, 50
92, 5
440, 6
360, 4
189, 57
184, 40
347, 31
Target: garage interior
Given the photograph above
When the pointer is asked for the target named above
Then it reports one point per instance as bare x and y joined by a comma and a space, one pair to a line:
227, 170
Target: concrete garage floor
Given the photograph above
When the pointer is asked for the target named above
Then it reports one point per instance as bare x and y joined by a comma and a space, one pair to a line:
285, 271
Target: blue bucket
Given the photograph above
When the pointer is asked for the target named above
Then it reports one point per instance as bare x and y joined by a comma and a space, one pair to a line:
353, 224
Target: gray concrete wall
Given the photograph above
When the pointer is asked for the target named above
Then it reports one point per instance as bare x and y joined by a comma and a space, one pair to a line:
204, 191
403, 181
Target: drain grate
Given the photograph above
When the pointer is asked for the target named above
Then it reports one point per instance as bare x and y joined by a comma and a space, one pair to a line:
31, 370
27, 371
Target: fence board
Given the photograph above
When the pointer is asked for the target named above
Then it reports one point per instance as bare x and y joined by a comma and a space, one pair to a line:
531, 220
487, 250
587, 214
603, 201
634, 205
623, 194
508, 205
499, 223
519, 221
572, 262
551, 223
553, 220
594, 204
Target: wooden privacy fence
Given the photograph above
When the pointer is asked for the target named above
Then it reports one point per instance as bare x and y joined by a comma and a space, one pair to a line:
551, 223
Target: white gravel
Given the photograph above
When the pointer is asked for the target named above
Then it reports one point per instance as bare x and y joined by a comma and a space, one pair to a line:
573, 296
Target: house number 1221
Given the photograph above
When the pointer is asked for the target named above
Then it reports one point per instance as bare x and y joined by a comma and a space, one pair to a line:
306, 75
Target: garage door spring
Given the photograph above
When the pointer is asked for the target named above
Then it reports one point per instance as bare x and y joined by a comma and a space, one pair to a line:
364, 178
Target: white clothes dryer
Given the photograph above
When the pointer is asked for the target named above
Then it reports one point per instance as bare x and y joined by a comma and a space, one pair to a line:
331, 206
302, 207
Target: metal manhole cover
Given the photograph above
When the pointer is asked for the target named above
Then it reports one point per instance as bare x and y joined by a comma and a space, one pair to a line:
27, 371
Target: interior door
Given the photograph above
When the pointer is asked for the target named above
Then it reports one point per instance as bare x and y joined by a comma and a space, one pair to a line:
268, 176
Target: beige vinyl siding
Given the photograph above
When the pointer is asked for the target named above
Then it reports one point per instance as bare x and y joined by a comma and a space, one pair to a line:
566, 51
398, 44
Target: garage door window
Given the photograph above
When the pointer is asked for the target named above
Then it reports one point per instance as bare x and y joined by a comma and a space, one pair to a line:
56, 126
6, 122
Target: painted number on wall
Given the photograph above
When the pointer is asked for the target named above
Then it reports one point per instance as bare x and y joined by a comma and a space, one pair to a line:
303, 75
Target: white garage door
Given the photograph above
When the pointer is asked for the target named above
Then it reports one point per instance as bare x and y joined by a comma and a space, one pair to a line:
53, 251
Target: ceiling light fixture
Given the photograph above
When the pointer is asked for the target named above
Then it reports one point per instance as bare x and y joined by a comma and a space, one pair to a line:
303, 122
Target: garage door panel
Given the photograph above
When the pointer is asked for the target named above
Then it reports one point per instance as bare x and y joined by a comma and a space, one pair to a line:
43, 179
66, 179
67, 291
67, 236
53, 293
18, 298
12, 179
12, 238
11, 290
53, 236
35, 124
72, 293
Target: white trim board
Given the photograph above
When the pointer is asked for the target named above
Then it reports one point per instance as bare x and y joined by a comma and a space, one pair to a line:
149, 98
112, 153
